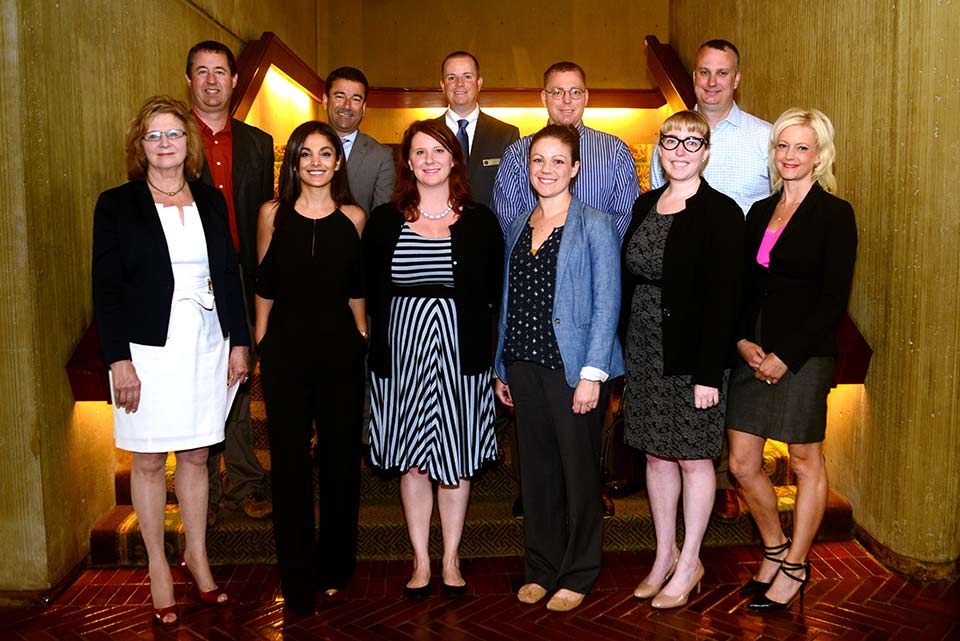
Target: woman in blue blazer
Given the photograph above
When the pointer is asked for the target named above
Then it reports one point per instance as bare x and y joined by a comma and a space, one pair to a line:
557, 347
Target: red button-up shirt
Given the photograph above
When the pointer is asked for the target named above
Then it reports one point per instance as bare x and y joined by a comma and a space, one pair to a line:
218, 148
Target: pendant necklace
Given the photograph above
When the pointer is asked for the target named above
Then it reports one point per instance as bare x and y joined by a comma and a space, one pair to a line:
168, 193
432, 216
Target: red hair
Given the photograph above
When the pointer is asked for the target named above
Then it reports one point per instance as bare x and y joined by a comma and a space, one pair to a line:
406, 196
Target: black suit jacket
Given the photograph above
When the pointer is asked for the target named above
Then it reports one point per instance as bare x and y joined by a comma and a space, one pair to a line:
132, 275
252, 186
477, 248
802, 296
490, 140
700, 284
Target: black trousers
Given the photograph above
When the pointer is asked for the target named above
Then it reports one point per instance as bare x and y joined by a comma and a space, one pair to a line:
330, 395
560, 477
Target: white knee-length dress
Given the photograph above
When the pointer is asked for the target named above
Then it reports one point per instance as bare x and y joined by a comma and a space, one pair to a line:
184, 397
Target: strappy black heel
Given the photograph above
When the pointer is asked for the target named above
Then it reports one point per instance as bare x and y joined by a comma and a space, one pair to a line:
754, 587
764, 604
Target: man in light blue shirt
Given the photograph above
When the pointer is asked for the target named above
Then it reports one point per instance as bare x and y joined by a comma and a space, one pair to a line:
738, 141
608, 176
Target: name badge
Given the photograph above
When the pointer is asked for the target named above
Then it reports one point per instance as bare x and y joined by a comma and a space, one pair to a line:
491, 162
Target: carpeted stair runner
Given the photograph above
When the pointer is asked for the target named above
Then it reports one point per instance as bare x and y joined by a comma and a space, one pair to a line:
491, 529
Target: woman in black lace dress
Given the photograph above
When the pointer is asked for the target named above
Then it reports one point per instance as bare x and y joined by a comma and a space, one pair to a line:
681, 278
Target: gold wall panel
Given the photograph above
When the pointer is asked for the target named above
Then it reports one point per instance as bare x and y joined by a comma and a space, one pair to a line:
72, 75
400, 43
887, 75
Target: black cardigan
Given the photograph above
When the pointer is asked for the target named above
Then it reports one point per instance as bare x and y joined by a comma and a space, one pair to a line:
477, 248
700, 287
133, 277
803, 294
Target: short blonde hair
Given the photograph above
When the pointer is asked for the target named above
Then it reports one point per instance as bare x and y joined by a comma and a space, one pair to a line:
826, 151
687, 120
137, 159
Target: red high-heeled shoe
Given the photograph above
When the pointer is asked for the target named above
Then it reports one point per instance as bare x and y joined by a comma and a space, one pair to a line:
210, 596
160, 615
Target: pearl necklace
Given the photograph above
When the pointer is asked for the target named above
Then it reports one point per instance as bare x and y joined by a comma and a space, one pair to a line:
433, 216
168, 193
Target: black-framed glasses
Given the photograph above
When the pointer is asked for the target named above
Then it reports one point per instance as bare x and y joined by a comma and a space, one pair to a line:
557, 93
692, 144
171, 134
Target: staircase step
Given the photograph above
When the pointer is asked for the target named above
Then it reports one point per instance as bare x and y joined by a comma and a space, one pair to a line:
491, 530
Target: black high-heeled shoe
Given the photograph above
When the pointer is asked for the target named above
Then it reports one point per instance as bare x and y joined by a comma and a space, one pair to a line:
762, 603
771, 553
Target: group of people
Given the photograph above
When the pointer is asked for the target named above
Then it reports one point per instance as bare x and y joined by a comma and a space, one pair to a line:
723, 322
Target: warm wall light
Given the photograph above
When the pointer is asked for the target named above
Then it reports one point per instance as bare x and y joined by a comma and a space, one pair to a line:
281, 105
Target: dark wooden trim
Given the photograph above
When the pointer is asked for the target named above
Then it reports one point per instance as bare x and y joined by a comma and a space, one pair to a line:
674, 81
254, 62
423, 97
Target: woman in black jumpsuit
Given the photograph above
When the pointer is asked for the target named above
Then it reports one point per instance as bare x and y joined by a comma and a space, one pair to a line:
311, 329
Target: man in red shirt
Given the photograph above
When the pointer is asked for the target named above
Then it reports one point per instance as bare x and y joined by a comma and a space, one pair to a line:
239, 162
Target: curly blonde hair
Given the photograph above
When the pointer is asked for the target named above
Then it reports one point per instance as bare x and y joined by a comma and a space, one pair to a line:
826, 151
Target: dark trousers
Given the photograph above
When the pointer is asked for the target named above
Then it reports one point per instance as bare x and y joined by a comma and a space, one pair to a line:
560, 474
332, 397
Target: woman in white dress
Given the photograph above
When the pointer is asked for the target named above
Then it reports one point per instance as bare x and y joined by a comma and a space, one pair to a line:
169, 315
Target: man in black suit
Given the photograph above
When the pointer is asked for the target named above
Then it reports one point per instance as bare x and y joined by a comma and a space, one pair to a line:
483, 137
239, 162
370, 165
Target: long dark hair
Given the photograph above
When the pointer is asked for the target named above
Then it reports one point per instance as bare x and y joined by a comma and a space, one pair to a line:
405, 193
289, 186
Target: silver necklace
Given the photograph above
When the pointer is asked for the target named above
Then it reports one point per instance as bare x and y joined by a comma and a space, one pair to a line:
435, 216
168, 193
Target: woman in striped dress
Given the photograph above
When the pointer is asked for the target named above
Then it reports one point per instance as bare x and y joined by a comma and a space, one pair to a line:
434, 263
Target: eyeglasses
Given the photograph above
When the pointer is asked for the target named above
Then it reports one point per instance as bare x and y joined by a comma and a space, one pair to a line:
691, 143
171, 134
557, 93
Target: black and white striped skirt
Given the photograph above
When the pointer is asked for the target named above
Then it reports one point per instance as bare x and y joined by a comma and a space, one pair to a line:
428, 414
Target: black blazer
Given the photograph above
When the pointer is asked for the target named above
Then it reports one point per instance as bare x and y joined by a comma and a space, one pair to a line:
477, 248
252, 162
133, 277
490, 140
700, 287
802, 296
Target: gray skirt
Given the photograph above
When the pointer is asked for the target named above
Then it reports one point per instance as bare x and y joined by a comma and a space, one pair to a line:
792, 411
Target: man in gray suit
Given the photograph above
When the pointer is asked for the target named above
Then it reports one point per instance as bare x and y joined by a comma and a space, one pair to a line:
482, 137
370, 165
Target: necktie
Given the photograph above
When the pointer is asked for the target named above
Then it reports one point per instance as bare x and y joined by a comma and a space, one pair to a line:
463, 139
346, 147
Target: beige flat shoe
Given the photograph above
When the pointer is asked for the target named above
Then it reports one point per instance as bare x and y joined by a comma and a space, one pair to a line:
530, 593
565, 600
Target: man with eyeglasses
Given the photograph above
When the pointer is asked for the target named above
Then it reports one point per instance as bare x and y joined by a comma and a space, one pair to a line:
739, 144
738, 141
608, 178
482, 137
239, 162
370, 165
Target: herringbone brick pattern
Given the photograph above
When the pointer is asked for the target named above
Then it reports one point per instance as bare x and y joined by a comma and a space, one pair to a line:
851, 598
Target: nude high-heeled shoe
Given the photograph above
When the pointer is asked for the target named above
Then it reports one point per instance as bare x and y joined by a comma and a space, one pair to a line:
665, 601
646, 590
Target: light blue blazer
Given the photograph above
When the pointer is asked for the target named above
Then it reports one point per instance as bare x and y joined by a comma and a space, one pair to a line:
586, 297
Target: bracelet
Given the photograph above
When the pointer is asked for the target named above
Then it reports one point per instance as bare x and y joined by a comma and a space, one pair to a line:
364, 334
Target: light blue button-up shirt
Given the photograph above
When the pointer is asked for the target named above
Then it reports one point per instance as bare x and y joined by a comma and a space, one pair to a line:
607, 180
738, 159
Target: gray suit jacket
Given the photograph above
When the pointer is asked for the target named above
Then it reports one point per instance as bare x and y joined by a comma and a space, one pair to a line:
370, 170
490, 140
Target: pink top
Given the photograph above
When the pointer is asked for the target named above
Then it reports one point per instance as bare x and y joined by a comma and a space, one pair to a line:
770, 239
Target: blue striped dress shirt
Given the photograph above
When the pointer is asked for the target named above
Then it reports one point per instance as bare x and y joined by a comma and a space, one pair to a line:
738, 159
607, 180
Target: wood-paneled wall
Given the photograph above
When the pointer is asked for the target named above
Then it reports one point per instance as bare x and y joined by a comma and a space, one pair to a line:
888, 76
400, 43
73, 74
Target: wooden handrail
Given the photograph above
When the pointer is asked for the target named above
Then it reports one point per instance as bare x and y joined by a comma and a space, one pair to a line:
675, 83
